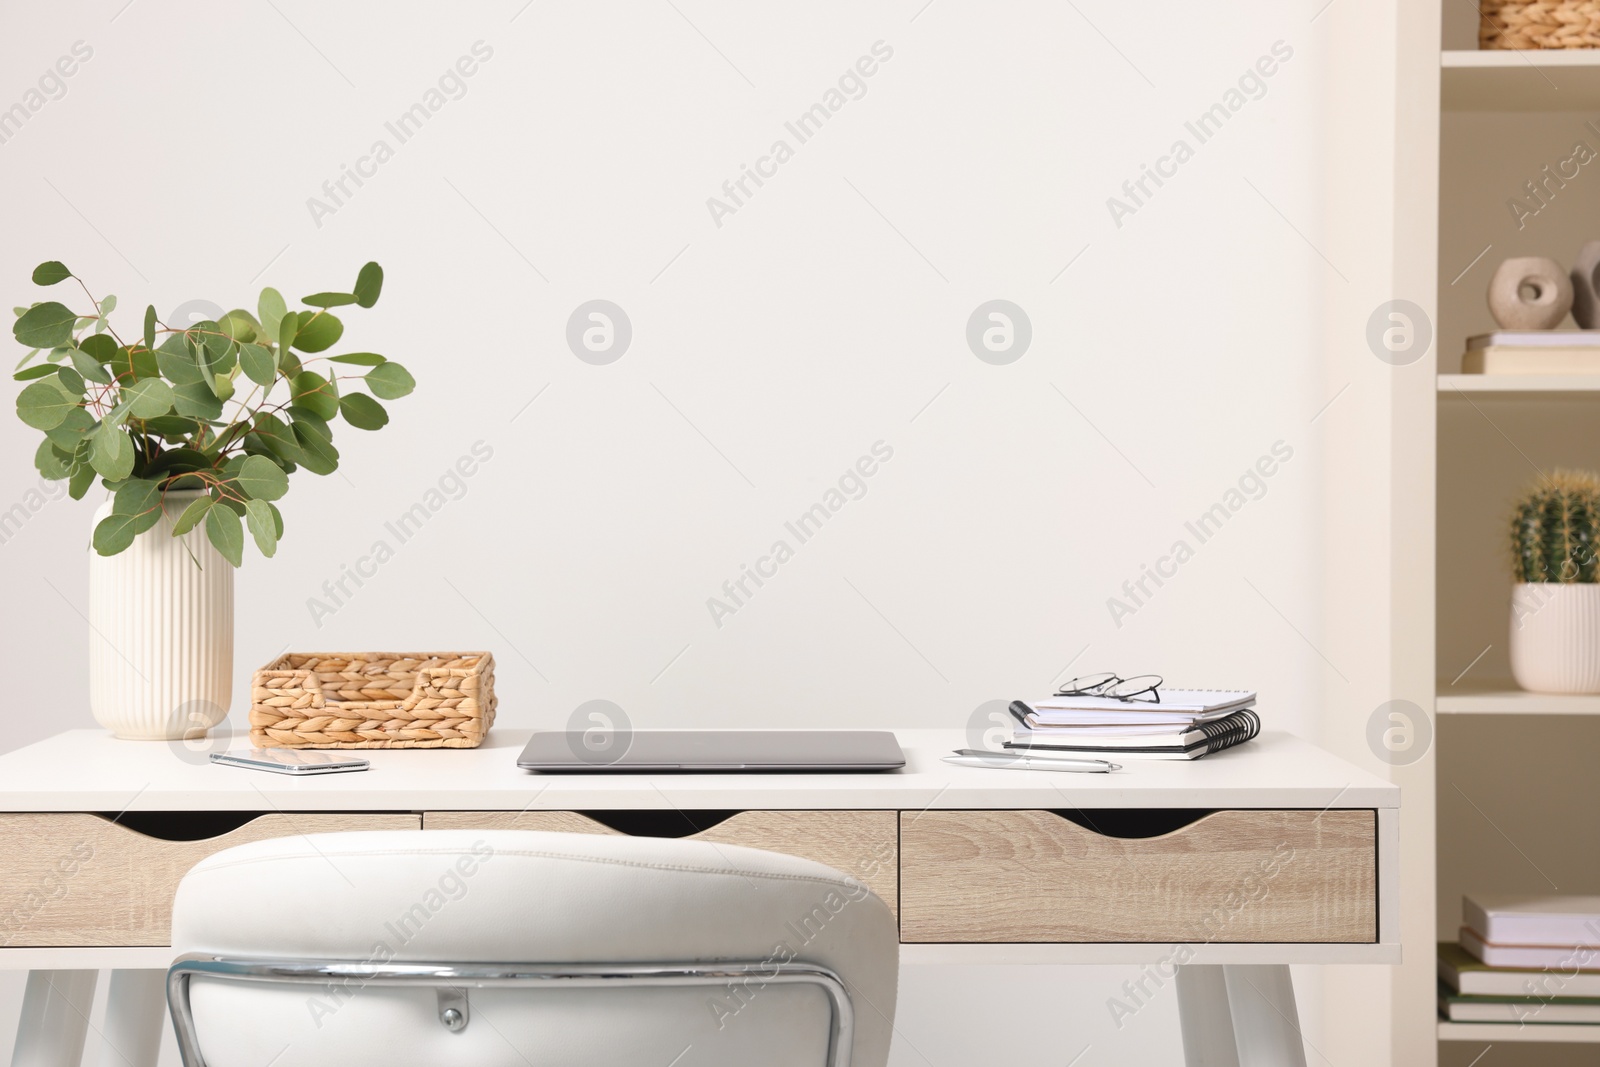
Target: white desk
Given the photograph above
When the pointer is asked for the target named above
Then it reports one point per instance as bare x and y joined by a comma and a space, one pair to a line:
1269, 854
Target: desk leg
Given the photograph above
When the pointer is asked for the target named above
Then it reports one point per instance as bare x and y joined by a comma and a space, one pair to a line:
1266, 1024
1204, 1015
136, 1009
55, 1018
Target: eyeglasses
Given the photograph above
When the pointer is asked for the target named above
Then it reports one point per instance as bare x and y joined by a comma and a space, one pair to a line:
1115, 687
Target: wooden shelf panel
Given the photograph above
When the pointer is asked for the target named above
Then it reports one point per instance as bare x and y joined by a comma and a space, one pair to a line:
1453, 384
1499, 1032
1504, 698
1519, 81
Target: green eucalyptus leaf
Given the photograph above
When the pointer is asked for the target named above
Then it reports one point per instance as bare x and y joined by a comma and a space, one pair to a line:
71, 380
112, 454
262, 479
311, 421
277, 437
58, 353
317, 452
50, 272
114, 533
369, 283
196, 399
52, 463
148, 398
79, 481
89, 367
25, 360
363, 412
44, 325
288, 363
101, 348
360, 359
136, 496
328, 300
108, 305
315, 393
136, 363
226, 532
262, 526
191, 516
240, 325
222, 385
277, 521
171, 426
271, 308
44, 405
150, 326
390, 381
177, 363
317, 333
180, 461
258, 363
41, 371
288, 326
70, 433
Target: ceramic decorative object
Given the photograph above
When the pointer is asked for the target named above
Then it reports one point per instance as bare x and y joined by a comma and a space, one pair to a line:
1555, 636
161, 632
1530, 293
1586, 287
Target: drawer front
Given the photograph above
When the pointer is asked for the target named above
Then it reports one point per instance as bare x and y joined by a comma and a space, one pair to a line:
1231, 876
861, 844
72, 879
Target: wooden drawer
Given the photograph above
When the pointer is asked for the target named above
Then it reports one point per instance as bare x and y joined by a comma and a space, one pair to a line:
1228, 876
72, 879
859, 843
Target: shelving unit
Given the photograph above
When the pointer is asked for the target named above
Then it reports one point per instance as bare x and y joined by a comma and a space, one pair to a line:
1508, 1032
1519, 81
1452, 384
1503, 698
1506, 121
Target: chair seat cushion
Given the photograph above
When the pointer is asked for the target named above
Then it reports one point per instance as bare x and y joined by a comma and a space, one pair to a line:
530, 897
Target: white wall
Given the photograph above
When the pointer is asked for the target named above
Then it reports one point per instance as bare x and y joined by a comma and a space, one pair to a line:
826, 314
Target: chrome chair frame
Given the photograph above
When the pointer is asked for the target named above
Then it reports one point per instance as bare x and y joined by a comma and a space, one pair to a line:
452, 980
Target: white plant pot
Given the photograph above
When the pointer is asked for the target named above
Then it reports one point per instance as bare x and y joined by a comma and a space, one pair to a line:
1555, 636
161, 632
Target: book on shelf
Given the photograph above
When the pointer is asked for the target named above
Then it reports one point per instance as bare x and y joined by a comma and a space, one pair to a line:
1167, 741
1529, 1011
1524, 956
1544, 919
1467, 975
1533, 352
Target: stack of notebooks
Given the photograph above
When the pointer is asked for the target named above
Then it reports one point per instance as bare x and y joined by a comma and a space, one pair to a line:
1186, 724
1525, 960
1533, 352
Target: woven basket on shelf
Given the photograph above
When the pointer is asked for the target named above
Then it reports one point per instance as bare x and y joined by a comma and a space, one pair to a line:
373, 700
1524, 24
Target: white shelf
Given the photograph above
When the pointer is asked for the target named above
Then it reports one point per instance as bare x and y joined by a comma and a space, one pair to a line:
1453, 384
1503, 698
1500, 1032
1520, 81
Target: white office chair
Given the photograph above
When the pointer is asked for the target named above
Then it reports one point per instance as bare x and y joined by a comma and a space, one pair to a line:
516, 947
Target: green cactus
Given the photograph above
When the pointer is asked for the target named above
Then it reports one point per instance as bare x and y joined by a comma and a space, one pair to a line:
1555, 529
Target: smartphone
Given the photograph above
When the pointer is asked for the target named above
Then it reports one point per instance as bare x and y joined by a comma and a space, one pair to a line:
291, 761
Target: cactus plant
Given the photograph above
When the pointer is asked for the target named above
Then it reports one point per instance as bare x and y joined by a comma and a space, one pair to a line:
1555, 529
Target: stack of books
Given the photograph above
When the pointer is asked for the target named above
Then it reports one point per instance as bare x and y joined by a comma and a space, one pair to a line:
1533, 352
1185, 724
1525, 960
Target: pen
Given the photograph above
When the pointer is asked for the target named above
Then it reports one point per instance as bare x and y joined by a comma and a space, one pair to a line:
977, 757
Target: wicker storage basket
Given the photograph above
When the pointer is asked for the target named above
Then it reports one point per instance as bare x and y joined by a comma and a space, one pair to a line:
373, 700
1523, 24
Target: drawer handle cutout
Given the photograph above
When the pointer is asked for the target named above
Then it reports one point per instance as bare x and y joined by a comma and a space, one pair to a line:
1133, 823
659, 823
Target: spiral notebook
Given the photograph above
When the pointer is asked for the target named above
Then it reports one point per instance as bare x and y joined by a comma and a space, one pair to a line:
1179, 742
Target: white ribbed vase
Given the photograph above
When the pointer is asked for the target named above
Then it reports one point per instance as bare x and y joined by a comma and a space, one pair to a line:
161, 632
1555, 636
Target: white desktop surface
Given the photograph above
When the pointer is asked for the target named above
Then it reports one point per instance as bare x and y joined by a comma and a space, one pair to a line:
89, 770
